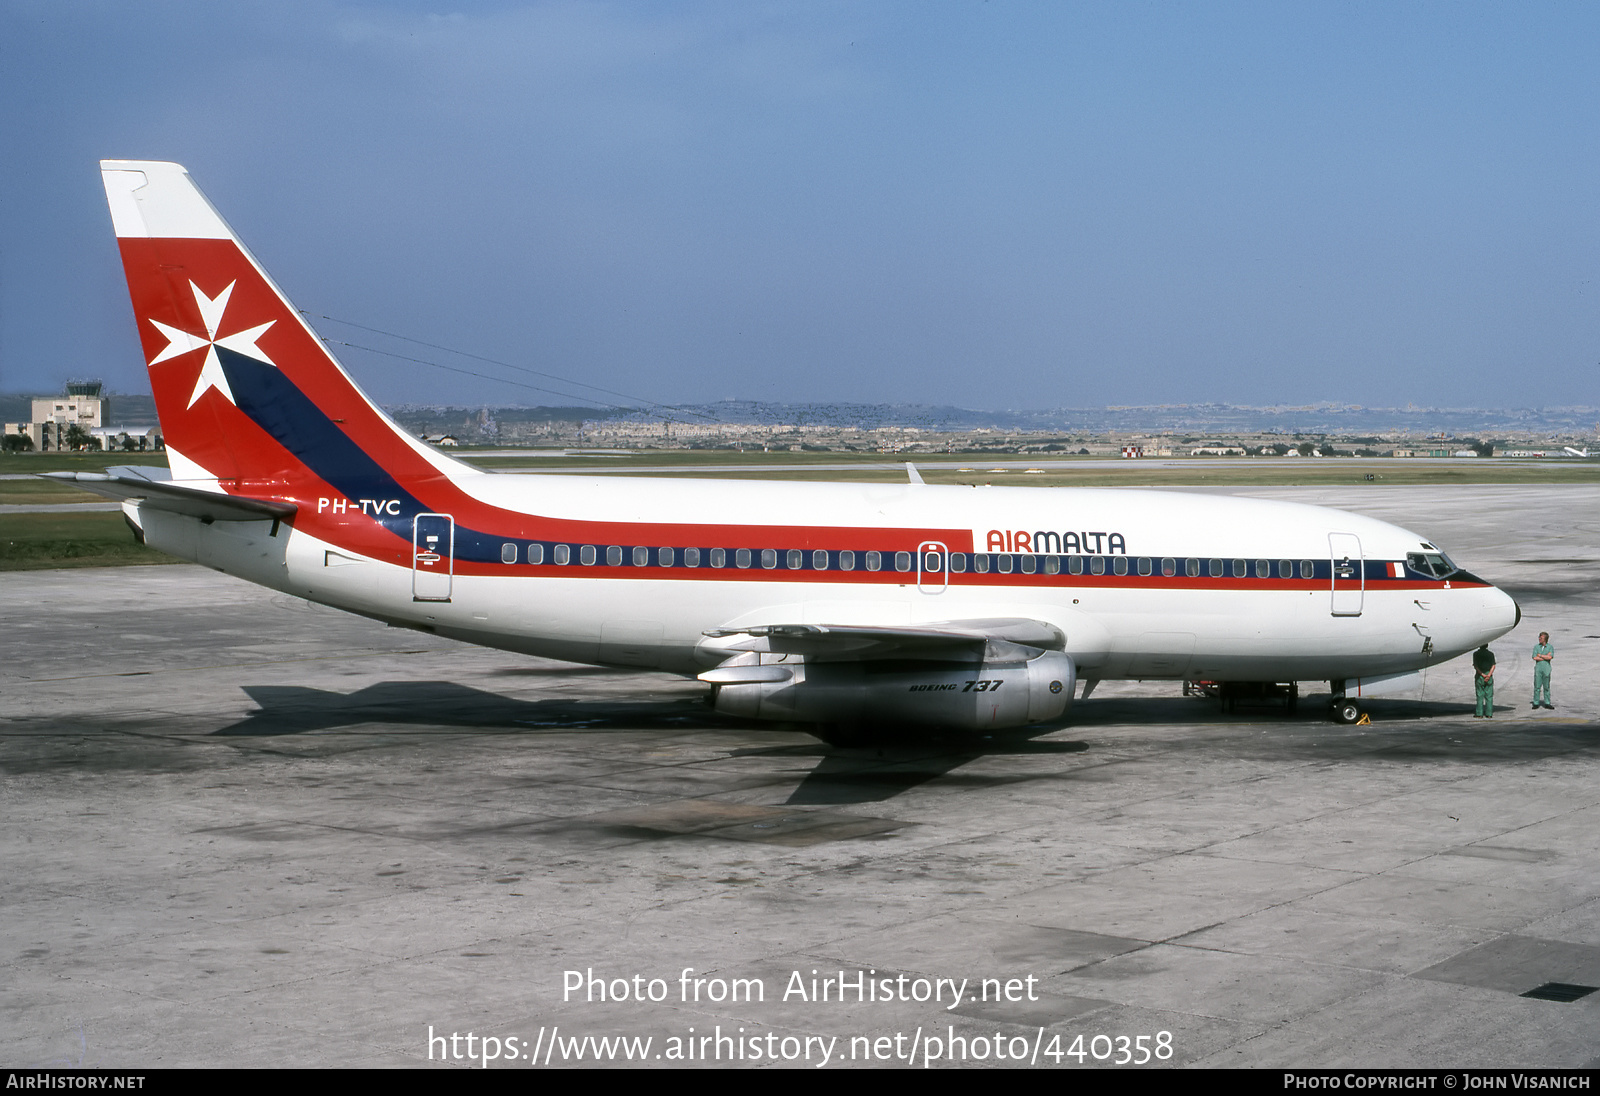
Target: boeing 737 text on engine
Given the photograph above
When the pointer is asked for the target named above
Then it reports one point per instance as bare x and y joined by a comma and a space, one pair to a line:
836, 604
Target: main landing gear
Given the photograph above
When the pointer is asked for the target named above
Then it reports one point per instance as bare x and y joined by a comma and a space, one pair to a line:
1233, 695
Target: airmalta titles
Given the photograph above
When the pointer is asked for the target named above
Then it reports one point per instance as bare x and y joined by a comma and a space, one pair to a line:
1048, 543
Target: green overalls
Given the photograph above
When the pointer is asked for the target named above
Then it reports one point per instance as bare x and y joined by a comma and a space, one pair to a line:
1541, 675
1483, 669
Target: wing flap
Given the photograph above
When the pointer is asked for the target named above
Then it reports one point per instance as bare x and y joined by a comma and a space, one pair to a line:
956, 639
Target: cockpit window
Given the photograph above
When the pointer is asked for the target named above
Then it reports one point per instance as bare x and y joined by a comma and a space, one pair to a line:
1436, 564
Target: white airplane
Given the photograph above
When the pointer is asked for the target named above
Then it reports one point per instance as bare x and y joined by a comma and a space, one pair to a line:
848, 606
1571, 452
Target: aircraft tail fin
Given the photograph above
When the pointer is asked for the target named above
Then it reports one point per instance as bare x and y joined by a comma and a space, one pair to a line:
246, 392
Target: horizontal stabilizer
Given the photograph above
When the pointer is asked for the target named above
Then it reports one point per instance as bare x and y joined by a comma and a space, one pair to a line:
163, 494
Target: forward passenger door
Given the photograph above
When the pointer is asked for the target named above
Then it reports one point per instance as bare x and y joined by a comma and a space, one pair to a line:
1349, 573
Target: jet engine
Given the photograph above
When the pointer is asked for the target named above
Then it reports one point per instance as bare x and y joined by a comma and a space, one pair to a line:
1010, 686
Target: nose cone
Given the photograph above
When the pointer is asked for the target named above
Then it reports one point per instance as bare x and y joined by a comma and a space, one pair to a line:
1499, 614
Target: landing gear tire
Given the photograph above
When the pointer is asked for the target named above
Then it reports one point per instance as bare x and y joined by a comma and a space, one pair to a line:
1346, 711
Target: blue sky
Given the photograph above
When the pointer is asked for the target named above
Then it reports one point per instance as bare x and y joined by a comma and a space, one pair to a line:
995, 205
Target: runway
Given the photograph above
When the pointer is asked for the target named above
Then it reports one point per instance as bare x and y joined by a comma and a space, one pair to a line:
243, 830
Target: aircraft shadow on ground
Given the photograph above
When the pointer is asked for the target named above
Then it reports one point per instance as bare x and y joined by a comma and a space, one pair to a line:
1313, 708
866, 773
874, 772
298, 709
895, 762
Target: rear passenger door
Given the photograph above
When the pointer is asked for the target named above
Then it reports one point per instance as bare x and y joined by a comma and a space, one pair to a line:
432, 557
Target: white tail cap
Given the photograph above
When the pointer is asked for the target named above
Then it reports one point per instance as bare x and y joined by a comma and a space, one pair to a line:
154, 199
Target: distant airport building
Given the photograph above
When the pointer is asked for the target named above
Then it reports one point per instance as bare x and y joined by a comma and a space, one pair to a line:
82, 402
127, 438
80, 416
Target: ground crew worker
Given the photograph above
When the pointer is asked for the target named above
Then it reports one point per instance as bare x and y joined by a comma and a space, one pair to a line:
1483, 679
1543, 655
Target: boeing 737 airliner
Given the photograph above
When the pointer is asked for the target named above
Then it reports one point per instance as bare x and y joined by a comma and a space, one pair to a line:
848, 606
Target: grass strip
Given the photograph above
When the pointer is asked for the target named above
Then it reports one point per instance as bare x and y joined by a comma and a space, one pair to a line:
32, 542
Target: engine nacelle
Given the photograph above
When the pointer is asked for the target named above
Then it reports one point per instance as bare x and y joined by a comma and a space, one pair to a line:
1034, 687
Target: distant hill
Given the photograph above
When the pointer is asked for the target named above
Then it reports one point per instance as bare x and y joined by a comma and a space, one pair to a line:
1221, 418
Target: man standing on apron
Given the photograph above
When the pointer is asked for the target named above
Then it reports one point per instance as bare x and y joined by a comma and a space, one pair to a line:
1543, 655
1483, 680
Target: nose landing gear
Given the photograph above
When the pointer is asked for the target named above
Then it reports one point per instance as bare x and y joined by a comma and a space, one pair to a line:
1348, 711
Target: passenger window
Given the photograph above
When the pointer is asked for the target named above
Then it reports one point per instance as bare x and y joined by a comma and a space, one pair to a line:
902, 561
535, 553
769, 558
958, 561
1074, 565
874, 561
1169, 566
508, 552
563, 554
719, 557
1006, 563
641, 557
587, 555
1263, 569
614, 556
1029, 564
1144, 565
1215, 568
1097, 565
1052, 565
741, 557
1285, 568
931, 563
819, 560
691, 557
1119, 564
664, 556
1308, 569
847, 561
1191, 567
980, 563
